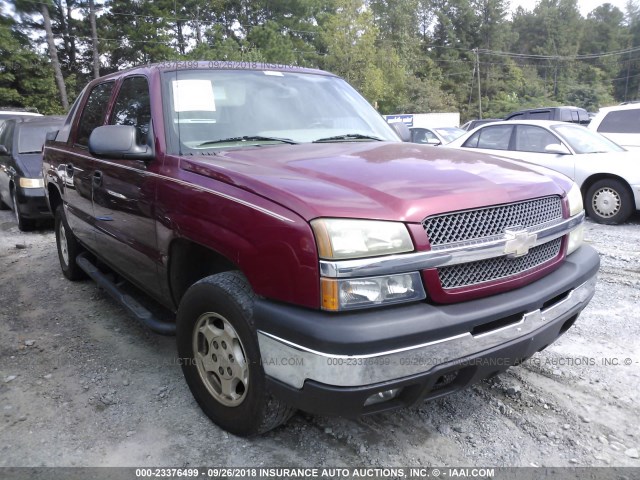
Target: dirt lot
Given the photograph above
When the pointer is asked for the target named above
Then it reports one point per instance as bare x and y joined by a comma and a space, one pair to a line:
83, 384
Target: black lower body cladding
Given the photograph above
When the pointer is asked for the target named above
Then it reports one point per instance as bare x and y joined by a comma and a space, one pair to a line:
335, 364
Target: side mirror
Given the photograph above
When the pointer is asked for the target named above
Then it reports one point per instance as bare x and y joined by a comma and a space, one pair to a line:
402, 131
118, 141
434, 141
3, 150
557, 148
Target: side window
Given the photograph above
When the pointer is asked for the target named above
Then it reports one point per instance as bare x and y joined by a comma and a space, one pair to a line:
544, 115
621, 121
94, 111
133, 107
533, 139
6, 136
493, 138
63, 133
472, 141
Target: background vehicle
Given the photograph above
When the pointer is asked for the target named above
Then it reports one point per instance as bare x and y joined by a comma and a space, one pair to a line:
21, 185
313, 260
561, 114
608, 175
471, 124
435, 135
620, 123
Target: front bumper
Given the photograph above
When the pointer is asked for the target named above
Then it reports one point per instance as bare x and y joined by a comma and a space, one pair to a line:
334, 358
32, 203
636, 195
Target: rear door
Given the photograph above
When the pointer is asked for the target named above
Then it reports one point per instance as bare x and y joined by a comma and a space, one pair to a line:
124, 193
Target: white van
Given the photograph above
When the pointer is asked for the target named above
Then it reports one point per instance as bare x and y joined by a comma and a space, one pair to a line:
620, 123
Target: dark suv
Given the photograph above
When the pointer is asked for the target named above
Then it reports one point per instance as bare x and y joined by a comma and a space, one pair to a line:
561, 114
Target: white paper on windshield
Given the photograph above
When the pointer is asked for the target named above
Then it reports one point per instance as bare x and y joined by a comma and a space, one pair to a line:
193, 95
271, 72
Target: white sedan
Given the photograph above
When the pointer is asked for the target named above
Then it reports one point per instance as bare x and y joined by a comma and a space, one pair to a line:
608, 175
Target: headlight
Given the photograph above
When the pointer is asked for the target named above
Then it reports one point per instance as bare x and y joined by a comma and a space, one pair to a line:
347, 294
31, 182
576, 237
574, 198
343, 238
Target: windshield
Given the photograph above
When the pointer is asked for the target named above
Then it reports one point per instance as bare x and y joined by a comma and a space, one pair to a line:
583, 140
222, 109
450, 133
31, 137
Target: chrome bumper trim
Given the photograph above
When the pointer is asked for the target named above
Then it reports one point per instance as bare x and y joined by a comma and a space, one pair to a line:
293, 364
441, 256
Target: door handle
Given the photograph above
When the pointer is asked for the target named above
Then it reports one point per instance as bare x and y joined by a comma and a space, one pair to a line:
97, 178
69, 170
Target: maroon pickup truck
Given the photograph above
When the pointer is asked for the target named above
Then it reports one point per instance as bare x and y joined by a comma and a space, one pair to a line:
314, 261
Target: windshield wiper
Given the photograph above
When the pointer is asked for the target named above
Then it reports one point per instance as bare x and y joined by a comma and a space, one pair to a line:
347, 137
248, 138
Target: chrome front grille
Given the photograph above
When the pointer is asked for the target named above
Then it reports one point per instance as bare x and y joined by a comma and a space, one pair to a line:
482, 271
486, 222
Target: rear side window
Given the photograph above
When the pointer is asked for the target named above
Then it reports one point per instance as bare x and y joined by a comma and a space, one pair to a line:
6, 134
133, 107
545, 115
94, 111
494, 138
621, 121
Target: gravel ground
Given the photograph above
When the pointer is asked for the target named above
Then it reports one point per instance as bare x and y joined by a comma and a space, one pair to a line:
81, 384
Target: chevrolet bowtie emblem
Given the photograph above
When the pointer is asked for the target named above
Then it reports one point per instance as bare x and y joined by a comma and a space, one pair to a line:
518, 241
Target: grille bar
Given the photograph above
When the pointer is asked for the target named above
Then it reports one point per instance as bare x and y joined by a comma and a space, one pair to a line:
490, 221
482, 271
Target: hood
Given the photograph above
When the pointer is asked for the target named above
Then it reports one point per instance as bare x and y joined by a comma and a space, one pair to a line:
29, 165
376, 180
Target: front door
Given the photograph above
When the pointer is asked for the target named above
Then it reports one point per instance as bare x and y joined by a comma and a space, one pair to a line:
124, 192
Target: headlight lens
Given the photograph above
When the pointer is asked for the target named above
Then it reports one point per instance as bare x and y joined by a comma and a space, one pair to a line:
31, 182
574, 197
348, 294
339, 238
576, 237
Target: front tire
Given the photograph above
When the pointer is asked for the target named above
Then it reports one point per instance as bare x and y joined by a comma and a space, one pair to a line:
609, 201
24, 224
220, 356
68, 247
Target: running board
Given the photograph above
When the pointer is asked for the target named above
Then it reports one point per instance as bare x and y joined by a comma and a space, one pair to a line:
128, 302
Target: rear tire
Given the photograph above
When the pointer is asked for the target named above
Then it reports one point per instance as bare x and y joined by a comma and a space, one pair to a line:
68, 247
220, 356
24, 224
609, 201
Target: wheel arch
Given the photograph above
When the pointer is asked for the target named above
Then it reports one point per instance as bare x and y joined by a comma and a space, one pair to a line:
589, 181
54, 197
189, 262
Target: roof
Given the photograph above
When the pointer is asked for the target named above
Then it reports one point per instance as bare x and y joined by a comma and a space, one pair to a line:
181, 65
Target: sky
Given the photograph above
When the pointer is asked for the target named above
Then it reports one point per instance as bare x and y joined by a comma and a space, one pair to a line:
585, 6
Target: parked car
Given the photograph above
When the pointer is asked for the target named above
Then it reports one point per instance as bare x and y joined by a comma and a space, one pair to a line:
314, 260
471, 124
561, 114
620, 123
434, 135
13, 112
608, 175
21, 185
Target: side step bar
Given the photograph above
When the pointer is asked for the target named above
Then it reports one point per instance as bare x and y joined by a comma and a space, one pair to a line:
128, 302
